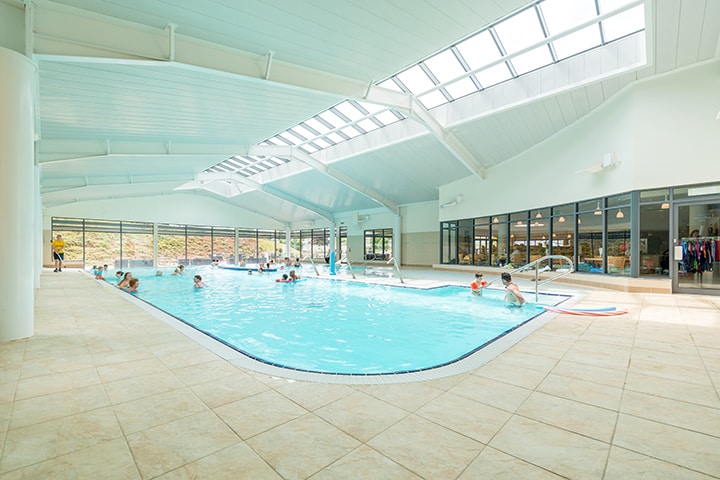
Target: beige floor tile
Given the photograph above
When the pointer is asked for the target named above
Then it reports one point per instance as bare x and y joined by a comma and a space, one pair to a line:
301, 447
710, 357
361, 415
313, 395
502, 371
157, 409
59, 382
141, 386
465, 416
44, 441
235, 462
108, 460
191, 356
491, 392
612, 377
56, 405
689, 358
364, 463
559, 451
205, 372
249, 416
408, 396
496, 465
427, 449
680, 373
528, 360
121, 371
7, 392
60, 364
588, 420
228, 389
685, 415
675, 389
163, 448
9, 372
603, 396
624, 464
691, 450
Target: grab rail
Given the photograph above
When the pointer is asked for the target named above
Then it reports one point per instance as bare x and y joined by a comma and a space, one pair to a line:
350, 268
557, 275
313, 265
397, 268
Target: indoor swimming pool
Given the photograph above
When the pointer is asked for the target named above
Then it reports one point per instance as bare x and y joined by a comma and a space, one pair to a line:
337, 326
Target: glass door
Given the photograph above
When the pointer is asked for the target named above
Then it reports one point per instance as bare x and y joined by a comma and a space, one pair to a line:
697, 248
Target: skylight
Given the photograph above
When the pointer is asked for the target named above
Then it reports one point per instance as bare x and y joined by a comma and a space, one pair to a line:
543, 33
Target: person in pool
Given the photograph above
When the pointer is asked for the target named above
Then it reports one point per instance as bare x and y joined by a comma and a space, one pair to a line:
198, 281
513, 295
133, 285
478, 284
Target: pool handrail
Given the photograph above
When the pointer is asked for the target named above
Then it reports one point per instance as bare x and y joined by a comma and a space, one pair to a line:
350, 267
313, 265
397, 268
557, 275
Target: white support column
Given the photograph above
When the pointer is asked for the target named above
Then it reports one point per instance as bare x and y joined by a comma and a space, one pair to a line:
17, 194
332, 247
37, 230
288, 239
155, 244
397, 238
235, 248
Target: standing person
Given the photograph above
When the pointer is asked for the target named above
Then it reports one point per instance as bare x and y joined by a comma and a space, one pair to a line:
58, 248
513, 294
478, 284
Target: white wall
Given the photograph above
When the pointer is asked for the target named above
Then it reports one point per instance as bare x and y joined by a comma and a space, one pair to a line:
177, 208
663, 131
12, 28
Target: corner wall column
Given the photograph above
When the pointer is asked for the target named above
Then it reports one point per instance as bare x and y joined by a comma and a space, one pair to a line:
17, 194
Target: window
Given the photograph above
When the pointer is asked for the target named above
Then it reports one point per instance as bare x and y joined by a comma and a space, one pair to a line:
378, 244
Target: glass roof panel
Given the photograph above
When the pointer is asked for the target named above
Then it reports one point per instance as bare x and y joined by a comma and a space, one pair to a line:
479, 50
625, 23
290, 139
335, 137
387, 117
332, 119
519, 31
416, 80
562, 15
390, 85
308, 148
461, 88
303, 132
322, 142
317, 125
371, 107
433, 99
494, 75
532, 60
445, 66
350, 131
350, 111
577, 42
368, 125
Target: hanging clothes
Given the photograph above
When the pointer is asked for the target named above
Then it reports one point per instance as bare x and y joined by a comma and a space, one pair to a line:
699, 254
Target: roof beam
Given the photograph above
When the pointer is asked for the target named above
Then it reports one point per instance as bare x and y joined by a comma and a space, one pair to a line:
293, 153
239, 179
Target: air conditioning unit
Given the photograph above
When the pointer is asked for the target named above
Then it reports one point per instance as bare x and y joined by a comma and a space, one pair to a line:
363, 218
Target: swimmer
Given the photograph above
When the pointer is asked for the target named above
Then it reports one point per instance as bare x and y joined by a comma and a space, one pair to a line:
158, 273
478, 284
198, 281
179, 270
285, 279
133, 285
294, 275
513, 294
125, 281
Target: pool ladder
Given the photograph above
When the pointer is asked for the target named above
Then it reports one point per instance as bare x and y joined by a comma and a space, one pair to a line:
557, 275
392, 259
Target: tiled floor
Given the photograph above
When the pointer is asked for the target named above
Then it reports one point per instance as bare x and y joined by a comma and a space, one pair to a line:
104, 390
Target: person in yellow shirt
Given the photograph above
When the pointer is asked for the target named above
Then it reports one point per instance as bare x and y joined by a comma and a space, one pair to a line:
58, 248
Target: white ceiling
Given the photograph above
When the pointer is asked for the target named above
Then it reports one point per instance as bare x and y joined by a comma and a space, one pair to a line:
118, 119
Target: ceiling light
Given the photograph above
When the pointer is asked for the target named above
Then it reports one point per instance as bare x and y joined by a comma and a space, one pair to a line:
665, 205
561, 219
539, 215
569, 235
496, 220
620, 214
520, 223
597, 209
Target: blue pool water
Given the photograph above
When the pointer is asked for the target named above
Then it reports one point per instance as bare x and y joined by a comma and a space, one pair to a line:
333, 326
